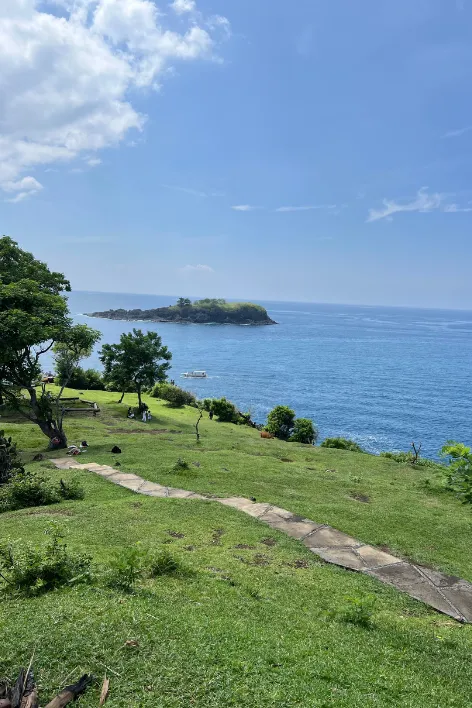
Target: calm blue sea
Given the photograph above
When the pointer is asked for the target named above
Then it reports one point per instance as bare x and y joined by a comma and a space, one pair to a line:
382, 376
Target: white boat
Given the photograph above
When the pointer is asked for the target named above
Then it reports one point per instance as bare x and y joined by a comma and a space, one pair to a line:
195, 375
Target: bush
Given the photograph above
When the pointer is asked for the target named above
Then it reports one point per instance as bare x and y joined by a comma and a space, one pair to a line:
459, 472
342, 444
27, 489
27, 569
174, 395
358, 611
409, 458
126, 567
71, 490
280, 422
164, 564
89, 379
225, 410
9, 459
304, 431
181, 465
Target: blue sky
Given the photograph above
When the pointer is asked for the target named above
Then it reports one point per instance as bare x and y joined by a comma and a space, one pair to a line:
341, 131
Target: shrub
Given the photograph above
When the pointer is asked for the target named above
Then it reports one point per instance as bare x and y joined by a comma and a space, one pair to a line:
409, 458
9, 459
459, 472
27, 568
27, 489
342, 444
163, 564
174, 395
304, 431
357, 610
70, 489
126, 567
225, 410
280, 422
90, 379
181, 465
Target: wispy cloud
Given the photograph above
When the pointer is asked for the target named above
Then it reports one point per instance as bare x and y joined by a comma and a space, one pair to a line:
22, 189
194, 192
188, 269
244, 207
94, 161
183, 6
312, 207
423, 203
457, 133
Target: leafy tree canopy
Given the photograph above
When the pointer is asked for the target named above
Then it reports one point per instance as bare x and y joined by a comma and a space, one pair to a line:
139, 359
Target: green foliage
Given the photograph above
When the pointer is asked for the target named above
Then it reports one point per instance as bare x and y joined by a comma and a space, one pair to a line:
357, 610
126, 567
181, 465
10, 462
459, 472
26, 568
26, 489
225, 410
138, 359
184, 302
164, 563
174, 395
304, 431
71, 489
86, 379
280, 422
342, 444
33, 318
409, 458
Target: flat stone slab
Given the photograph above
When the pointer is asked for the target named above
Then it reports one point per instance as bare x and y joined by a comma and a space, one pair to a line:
295, 529
327, 537
345, 557
445, 593
178, 493
374, 558
409, 579
152, 489
245, 505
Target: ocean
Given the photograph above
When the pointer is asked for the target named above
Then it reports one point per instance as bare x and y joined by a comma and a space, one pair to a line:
382, 376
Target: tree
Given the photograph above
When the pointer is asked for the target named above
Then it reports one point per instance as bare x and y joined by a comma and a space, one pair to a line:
459, 472
138, 359
184, 302
304, 431
280, 422
33, 319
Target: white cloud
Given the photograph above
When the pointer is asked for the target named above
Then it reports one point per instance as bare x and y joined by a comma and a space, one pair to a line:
25, 187
424, 203
183, 6
66, 81
194, 192
94, 161
244, 207
307, 208
188, 269
458, 133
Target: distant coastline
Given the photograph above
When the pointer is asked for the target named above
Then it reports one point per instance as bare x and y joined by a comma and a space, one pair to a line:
208, 311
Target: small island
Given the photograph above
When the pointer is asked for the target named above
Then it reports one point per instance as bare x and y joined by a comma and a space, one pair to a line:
208, 311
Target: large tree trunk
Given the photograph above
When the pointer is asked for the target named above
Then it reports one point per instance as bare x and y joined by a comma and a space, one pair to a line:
122, 396
57, 437
138, 389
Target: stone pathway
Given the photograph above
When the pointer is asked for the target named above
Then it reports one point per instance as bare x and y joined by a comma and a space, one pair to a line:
447, 594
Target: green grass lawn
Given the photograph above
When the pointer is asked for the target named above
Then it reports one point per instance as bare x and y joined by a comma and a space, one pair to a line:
257, 625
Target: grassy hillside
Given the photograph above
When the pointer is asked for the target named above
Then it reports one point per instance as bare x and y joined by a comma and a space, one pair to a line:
251, 622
